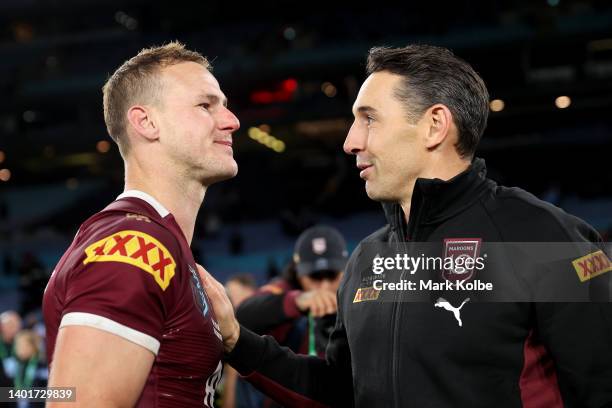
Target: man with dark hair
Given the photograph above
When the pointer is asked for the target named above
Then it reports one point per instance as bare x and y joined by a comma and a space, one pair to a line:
431, 75
128, 321
418, 118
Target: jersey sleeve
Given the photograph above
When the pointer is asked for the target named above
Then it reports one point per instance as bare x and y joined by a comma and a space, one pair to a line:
124, 285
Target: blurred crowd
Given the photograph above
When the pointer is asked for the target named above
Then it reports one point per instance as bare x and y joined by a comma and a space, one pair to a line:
22, 353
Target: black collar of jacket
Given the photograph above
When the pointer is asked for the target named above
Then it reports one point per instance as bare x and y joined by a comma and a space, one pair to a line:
435, 200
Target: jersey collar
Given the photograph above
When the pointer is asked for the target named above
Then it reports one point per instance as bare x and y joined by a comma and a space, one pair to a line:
161, 210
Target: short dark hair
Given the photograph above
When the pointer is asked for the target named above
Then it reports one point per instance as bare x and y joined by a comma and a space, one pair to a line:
435, 75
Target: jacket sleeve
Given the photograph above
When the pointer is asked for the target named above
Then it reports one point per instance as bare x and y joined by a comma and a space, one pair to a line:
579, 334
296, 380
266, 310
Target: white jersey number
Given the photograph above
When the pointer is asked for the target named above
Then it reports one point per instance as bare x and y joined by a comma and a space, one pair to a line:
211, 385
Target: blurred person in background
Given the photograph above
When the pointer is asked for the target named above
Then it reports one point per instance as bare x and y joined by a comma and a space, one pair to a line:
299, 308
30, 369
240, 287
35, 321
4, 379
26, 367
128, 321
10, 324
235, 392
282, 306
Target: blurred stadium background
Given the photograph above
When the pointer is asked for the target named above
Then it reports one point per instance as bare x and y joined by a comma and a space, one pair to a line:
291, 71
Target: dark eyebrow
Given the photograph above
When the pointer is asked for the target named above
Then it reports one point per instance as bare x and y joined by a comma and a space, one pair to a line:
214, 99
366, 109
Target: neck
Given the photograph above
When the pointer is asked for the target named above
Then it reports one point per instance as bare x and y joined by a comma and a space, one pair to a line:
443, 168
406, 208
180, 196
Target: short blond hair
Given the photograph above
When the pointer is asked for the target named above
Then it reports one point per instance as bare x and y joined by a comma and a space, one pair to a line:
137, 81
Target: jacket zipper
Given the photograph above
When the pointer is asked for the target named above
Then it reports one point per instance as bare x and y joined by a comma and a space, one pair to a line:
406, 245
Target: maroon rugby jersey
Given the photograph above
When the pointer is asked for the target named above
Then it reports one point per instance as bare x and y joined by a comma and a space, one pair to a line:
130, 272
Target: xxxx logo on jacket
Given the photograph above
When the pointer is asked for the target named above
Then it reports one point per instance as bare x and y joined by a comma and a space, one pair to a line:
135, 248
592, 265
366, 294
459, 258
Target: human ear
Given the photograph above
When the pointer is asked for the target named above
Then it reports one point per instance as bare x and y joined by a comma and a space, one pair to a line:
141, 120
439, 121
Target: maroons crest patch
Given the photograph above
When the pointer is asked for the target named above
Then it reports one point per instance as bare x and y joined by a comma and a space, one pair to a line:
460, 250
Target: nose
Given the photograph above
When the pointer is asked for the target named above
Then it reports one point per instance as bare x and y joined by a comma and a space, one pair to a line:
355, 140
228, 121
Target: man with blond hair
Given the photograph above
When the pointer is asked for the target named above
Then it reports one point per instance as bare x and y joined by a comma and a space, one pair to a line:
128, 320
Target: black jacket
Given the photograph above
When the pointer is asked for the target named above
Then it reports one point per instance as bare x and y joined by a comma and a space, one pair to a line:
406, 353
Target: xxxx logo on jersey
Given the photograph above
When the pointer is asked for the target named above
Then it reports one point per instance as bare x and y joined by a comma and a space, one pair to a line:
134, 248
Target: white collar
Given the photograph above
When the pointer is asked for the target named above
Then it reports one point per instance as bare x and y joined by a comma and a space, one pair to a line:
161, 210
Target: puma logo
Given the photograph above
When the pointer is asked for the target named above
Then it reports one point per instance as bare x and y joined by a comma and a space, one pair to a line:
443, 303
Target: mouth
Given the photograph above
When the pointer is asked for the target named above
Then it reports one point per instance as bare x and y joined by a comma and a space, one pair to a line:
224, 142
364, 167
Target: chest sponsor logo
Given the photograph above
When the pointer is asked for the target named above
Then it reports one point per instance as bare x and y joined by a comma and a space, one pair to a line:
592, 265
463, 252
137, 217
456, 311
135, 248
366, 294
198, 291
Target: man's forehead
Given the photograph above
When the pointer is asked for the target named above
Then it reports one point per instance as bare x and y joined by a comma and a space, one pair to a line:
376, 89
195, 77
